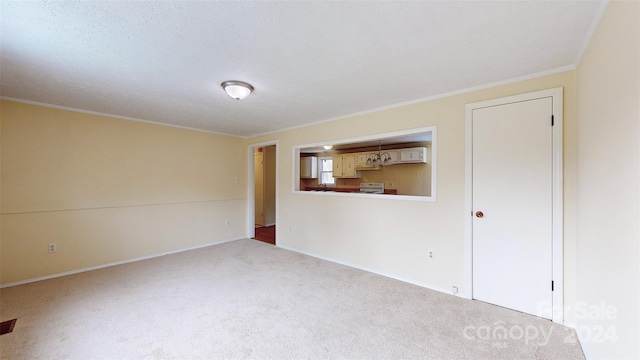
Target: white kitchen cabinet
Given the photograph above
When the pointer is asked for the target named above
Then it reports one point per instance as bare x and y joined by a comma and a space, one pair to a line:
413, 155
349, 166
361, 158
394, 156
344, 166
309, 167
390, 157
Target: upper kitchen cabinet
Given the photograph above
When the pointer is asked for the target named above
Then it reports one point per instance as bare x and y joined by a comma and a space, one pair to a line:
361, 158
344, 166
309, 167
413, 155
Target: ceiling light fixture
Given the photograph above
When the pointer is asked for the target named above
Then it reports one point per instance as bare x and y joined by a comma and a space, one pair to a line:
381, 158
328, 147
237, 89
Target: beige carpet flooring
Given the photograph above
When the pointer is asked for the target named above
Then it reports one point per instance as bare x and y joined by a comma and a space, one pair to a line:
248, 299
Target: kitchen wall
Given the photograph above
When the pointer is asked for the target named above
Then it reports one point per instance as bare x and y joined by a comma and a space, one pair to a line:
107, 190
608, 186
408, 179
393, 236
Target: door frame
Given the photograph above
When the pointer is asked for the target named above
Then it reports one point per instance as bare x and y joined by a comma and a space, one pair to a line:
557, 308
251, 207
261, 156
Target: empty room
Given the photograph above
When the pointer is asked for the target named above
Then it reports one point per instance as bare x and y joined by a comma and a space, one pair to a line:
320, 180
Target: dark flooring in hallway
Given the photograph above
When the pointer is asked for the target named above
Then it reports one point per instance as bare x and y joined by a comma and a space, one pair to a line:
266, 234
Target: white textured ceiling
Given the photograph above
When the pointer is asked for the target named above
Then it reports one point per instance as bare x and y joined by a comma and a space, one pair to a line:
308, 61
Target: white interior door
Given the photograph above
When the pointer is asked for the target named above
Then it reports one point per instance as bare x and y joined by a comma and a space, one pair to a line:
512, 202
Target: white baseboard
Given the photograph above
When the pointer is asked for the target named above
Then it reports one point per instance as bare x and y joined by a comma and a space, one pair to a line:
428, 286
569, 324
22, 282
581, 341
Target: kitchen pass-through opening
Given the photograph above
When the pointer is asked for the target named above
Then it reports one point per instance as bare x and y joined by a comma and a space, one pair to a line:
395, 165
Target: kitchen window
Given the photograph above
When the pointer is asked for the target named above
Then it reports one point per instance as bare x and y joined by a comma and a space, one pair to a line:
325, 171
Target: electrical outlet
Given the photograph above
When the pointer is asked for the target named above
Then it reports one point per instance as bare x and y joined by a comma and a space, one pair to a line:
236, 180
52, 248
227, 222
454, 289
291, 228
430, 254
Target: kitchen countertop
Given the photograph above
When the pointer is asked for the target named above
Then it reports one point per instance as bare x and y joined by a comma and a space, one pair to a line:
345, 189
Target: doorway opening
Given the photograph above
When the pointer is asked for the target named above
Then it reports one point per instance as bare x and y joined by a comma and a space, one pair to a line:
262, 192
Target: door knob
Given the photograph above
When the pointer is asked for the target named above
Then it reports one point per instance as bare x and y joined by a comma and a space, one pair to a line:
479, 214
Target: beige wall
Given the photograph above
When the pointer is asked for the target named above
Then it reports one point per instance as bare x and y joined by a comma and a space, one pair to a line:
392, 237
609, 176
108, 190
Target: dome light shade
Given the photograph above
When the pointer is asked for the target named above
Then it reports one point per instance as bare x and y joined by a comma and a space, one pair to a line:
237, 89
328, 147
